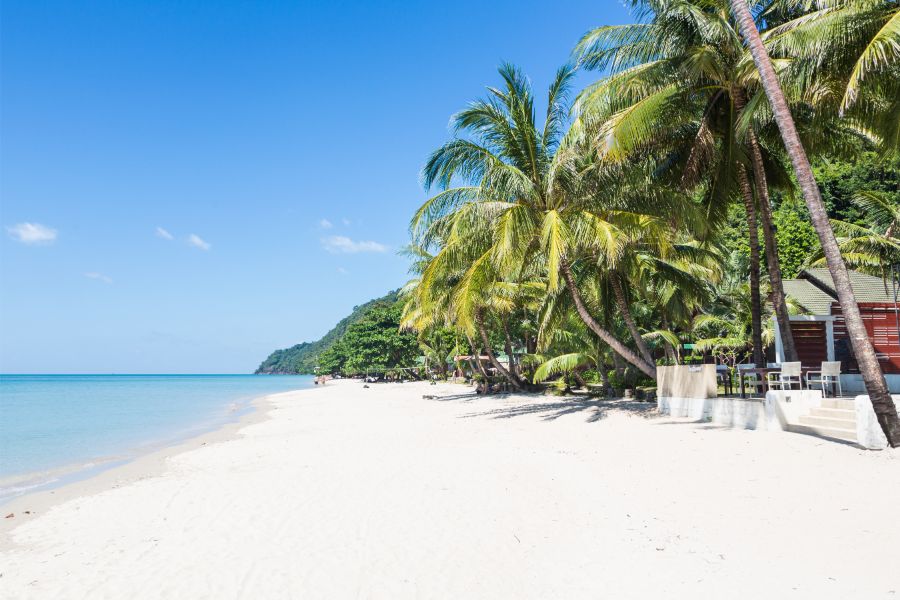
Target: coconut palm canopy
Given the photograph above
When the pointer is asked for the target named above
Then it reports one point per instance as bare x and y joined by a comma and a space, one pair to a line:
600, 234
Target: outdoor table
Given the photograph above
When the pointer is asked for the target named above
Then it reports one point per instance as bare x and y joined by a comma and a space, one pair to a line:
763, 373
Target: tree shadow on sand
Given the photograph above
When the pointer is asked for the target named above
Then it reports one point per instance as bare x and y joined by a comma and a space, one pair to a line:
595, 408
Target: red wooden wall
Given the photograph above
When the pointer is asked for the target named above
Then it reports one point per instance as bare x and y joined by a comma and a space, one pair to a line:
811, 342
881, 320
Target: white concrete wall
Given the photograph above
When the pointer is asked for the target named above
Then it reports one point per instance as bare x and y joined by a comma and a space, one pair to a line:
784, 408
853, 384
686, 381
733, 412
868, 431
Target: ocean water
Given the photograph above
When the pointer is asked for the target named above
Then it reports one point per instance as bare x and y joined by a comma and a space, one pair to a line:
58, 428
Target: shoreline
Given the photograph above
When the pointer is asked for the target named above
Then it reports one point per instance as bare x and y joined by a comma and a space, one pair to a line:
419, 491
142, 465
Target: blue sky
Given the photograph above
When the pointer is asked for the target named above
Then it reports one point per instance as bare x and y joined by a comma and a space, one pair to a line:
186, 186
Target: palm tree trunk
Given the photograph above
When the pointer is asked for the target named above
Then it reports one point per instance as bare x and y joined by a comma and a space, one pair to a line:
477, 354
773, 263
490, 353
621, 301
624, 351
755, 300
779, 300
884, 407
581, 382
507, 347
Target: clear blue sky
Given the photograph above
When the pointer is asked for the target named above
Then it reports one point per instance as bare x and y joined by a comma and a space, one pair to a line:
251, 126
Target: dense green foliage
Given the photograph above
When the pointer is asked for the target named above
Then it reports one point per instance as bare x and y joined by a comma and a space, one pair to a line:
373, 344
302, 358
659, 207
841, 179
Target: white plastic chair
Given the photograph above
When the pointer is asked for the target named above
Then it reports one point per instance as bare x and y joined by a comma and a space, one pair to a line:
790, 373
830, 374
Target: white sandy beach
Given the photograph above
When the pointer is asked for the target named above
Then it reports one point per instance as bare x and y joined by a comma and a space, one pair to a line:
346, 492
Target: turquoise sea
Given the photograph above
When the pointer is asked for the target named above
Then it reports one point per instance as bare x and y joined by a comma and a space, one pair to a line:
58, 428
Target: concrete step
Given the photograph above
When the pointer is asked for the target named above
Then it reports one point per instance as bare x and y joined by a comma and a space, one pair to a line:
841, 403
835, 413
825, 432
828, 422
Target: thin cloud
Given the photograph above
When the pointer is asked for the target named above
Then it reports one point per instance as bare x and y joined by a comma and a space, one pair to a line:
342, 270
346, 222
198, 242
98, 277
339, 244
160, 232
32, 233
326, 224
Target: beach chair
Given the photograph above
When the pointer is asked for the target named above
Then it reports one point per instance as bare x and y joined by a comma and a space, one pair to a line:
829, 374
790, 373
750, 379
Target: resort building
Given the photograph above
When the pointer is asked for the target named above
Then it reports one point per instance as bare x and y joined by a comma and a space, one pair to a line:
820, 335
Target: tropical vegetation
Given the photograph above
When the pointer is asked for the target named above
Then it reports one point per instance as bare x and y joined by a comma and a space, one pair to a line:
305, 358
587, 236
593, 234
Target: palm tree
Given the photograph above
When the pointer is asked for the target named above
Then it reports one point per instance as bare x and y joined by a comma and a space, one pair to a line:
679, 87
874, 249
528, 182
457, 287
884, 407
844, 57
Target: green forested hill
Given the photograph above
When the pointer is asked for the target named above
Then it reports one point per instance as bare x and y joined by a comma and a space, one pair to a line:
301, 359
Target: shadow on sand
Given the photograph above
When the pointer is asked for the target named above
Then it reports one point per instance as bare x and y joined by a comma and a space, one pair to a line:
594, 408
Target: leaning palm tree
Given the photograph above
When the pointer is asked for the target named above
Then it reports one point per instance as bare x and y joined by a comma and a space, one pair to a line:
457, 286
884, 407
531, 179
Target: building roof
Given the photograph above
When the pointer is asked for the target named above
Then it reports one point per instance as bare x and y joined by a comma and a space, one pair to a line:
815, 292
866, 288
806, 294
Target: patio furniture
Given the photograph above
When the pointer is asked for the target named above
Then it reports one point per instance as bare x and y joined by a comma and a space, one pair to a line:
789, 374
723, 374
750, 377
830, 374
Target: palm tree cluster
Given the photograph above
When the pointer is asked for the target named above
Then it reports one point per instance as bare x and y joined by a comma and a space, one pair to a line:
584, 236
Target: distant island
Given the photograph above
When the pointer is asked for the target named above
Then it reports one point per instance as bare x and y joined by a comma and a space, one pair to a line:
349, 346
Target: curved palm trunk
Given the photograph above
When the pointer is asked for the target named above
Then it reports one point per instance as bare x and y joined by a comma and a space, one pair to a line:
622, 302
773, 263
755, 301
490, 354
648, 368
884, 407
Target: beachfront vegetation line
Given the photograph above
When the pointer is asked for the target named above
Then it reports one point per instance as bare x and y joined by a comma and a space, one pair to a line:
624, 226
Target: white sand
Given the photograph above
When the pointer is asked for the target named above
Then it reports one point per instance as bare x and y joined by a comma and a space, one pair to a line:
347, 492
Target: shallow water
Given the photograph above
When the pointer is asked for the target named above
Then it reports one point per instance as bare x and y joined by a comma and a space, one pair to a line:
55, 428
